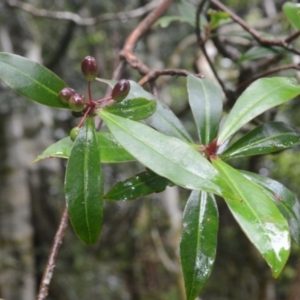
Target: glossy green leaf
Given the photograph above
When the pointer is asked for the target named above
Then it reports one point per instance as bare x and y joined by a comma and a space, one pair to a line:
167, 156
266, 138
205, 100
134, 109
31, 80
261, 95
84, 184
292, 12
142, 184
198, 241
111, 150
285, 200
258, 217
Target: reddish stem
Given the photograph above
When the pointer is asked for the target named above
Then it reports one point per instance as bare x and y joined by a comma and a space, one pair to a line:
211, 149
85, 115
90, 92
103, 99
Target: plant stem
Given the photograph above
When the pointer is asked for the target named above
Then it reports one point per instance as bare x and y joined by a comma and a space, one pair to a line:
48, 272
90, 92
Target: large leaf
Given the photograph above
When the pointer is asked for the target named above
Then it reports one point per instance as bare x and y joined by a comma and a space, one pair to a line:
292, 12
111, 150
134, 109
266, 138
84, 184
31, 80
198, 241
167, 156
257, 98
205, 99
285, 200
142, 184
258, 216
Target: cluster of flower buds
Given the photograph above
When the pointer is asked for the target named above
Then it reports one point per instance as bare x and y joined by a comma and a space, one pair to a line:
77, 103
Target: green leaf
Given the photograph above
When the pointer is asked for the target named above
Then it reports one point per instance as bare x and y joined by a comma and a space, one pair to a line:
257, 52
261, 95
60, 149
258, 217
31, 80
285, 200
165, 121
205, 99
142, 184
84, 184
111, 150
292, 12
218, 18
166, 156
134, 109
266, 138
198, 241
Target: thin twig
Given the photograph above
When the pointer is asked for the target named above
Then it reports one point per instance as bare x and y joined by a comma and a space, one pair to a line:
48, 272
127, 53
76, 18
255, 34
202, 46
243, 85
292, 37
154, 74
